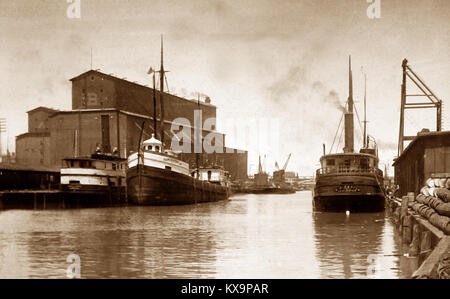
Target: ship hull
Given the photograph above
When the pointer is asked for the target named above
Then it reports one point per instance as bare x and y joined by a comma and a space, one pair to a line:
78, 195
155, 186
337, 193
352, 203
91, 189
268, 190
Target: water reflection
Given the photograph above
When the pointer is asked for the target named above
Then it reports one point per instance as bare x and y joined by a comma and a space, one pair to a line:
126, 242
344, 242
250, 236
356, 246
272, 240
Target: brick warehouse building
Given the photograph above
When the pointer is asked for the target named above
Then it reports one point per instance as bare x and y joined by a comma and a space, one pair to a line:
108, 111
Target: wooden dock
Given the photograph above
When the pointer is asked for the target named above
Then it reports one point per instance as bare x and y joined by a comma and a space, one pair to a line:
419, 238
56, 199
20, 177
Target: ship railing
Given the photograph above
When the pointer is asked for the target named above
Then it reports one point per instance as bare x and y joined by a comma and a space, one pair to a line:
347, 170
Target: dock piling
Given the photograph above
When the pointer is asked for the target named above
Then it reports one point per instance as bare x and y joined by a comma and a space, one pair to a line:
407, 229
425, 244
414, 248
404, 206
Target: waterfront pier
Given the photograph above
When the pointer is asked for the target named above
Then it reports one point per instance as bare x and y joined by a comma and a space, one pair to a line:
421, 237
56, 199
421, 205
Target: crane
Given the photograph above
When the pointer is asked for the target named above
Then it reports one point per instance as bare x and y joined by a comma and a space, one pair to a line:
286, 163
278, 175
277, 167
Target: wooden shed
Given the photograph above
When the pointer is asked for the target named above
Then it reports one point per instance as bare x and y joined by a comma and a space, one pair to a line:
427, 155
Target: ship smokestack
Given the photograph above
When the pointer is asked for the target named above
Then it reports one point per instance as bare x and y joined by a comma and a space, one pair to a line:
349, 142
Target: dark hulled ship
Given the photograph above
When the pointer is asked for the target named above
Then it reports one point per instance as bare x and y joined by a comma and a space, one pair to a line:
156, 176
350, 181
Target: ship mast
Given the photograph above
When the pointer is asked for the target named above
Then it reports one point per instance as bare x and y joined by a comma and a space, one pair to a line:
349, 142
155, 124
196, 153
161, 94
260, 170
365, 143
350, 85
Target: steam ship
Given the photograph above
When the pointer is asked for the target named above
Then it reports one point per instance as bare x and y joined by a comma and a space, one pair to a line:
350, 181
99, 178
156, 176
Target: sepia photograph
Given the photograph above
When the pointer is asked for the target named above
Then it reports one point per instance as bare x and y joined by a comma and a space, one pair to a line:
220, 145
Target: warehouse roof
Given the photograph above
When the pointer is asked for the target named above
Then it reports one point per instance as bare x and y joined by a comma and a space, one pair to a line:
123, 80
421, 136
41, 108
33, 134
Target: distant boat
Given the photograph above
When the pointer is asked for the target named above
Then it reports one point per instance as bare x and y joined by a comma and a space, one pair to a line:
350, 181
262, 185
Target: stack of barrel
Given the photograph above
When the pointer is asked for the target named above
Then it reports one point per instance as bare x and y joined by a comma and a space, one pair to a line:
434, 203
423, 222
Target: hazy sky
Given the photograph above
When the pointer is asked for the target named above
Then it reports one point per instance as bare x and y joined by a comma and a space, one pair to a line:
259, 59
